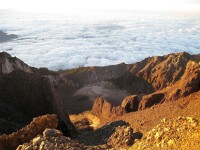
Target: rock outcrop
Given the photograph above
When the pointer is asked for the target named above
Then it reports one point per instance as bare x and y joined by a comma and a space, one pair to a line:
150, 100
189, 83
37, 126
130, 103
28, 92
104, 109
9, 64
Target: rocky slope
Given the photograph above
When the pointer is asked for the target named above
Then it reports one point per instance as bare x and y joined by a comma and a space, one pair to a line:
144, 92
178, 133
142, 78
115, 135
27, 92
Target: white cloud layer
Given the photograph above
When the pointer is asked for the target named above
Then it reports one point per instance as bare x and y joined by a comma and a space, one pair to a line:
73, 40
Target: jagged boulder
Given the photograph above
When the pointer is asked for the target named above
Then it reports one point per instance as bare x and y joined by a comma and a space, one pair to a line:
37, 126
150, 100
130, 103
102, 108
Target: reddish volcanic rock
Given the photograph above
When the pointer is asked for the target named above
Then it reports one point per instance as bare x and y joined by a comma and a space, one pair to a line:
102, 108
163, 71
150, 100
189, 83
191, 78
130, 103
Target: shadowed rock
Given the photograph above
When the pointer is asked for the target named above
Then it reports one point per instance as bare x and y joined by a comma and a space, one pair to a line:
37, 126
102, 108
150, 100
130, 103
29, 93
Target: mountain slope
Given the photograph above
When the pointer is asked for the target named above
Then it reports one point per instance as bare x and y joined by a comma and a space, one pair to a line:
27, 92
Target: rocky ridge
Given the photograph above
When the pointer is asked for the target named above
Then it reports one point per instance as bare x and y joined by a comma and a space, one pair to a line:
149, 76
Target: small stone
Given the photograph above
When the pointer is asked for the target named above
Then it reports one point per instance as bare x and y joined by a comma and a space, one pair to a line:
179, 118
158, 145
37, 140
27, 148
42, 145
166, 129
163, 120
52, 133
170, 142
19, 147
158, 135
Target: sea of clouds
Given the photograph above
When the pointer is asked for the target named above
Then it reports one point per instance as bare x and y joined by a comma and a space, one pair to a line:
59, 41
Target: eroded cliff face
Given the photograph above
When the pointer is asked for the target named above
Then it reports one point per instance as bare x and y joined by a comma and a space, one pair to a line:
27, 92
146, 77
188, 84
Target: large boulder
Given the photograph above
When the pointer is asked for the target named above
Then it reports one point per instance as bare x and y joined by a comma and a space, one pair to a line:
130, 103
150, 100
104, 109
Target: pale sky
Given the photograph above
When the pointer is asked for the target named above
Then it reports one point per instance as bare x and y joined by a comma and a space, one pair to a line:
69, 5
